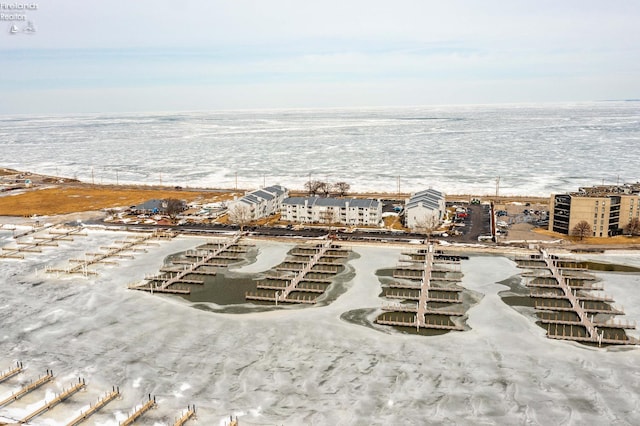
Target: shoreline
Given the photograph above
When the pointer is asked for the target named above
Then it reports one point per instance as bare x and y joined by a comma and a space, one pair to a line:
57, 200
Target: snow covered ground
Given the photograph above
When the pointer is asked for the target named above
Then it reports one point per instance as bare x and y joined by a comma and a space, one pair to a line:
298, 366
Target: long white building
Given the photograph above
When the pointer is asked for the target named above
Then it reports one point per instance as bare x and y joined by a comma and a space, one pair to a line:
424, 210
347, 211
262, 202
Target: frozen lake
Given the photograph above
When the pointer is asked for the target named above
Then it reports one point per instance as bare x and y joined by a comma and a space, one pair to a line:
299, 366
456, 149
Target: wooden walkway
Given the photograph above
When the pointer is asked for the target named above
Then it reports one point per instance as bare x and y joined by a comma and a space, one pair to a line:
188, 415
94, 408
36, 246
305, 271
12, 372
178, 276
27, 389
151, 403
81, 266
424, 292
559, 286
55, 401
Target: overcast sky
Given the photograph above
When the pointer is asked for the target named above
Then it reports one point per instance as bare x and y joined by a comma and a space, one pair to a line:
170, 55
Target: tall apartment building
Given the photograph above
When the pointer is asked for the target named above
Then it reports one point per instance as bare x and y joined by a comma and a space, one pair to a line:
348, 211
608, 209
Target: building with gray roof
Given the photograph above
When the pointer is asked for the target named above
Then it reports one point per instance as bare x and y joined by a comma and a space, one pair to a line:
425, 210
262, 202
347, 211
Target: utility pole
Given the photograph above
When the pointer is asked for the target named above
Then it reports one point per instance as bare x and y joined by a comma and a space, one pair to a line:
236, 180
497, 186
92, 180
398, 184
117, 182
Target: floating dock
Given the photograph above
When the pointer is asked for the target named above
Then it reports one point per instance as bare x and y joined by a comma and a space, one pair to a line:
12, 372
110, 396
35, 246
431, 310
302, 278
55, 401
27, 389
174, 279
188, 415
121, 250
562, 290
151, 403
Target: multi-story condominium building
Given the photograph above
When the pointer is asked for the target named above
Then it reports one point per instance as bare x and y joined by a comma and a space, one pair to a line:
348, 211
607, 209
262, 202
425, 210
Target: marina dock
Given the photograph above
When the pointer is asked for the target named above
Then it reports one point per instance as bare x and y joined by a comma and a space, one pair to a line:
303, 277
35, 246
188, 415
49, 401
431, 311
27, 389
174, 279
562, 290
12, 372
121, 249
151, 403
55, 401
110, 396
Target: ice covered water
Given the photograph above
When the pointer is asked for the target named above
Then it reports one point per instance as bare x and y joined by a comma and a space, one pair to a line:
534, 149
301, 366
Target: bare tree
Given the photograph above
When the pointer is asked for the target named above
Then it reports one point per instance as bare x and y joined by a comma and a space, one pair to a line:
324, 188
329, 216
427, 225
173, 207
582, 229
341, 188
633, 227
111, 212
313, 186
240, 214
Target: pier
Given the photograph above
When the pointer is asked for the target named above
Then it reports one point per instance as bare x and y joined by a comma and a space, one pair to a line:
12, 372
426, 266
303, 278
36, 245
561, 289
110, 396
55, 401
27, 389
81, 266
190, 413
151, 403
170, 277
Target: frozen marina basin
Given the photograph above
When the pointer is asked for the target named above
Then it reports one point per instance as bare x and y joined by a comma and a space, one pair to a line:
300, 366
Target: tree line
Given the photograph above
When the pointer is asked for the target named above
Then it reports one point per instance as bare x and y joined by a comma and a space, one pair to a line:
319, 187
583, 229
